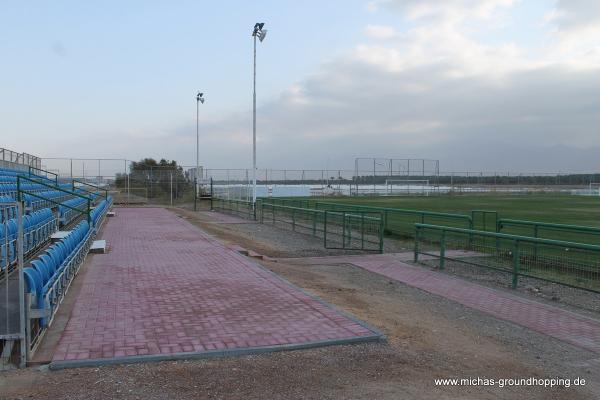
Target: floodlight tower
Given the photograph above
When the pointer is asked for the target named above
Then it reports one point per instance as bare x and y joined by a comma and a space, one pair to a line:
259, 33
199, 99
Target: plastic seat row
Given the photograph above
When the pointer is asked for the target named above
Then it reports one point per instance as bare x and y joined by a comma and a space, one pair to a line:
33, 186
7, 211
48, 276
10, 171
10, 189
92, 195
33, 203
67, 214
37, 229
100, 211
13, 178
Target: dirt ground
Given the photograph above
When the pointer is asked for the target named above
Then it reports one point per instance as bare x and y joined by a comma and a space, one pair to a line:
428, 337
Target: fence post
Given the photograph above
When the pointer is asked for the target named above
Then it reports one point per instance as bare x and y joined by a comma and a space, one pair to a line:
516, 262
22, 306
362, 231
262, 209
196, 192
381, 228
443, 250
385, 220
293, 219
211, 193
535, 245
89, 212
314, 222
343, 229
417, 237
325, 229
470, 234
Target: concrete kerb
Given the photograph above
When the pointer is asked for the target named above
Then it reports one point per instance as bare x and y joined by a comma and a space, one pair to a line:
58, 365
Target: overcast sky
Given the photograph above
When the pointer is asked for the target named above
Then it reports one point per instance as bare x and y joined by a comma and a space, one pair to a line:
493, 85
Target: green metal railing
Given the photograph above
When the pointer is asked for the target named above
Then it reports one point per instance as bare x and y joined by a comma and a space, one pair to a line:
58, 189
33, 172
566, 263
239, 207
85, 184
571, 233
302, 203
401, 222
349, 230
397, 221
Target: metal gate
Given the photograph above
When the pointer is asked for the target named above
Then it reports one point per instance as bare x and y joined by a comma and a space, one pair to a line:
354, 230
485, 220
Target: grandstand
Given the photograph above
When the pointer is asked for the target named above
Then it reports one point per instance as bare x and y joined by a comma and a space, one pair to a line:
47, 226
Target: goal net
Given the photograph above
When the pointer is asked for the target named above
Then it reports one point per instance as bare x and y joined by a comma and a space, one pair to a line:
594, 189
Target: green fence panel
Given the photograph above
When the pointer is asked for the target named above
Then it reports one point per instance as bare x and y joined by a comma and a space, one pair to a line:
238, 207
339, 230
401, 222
536, 229
562, 262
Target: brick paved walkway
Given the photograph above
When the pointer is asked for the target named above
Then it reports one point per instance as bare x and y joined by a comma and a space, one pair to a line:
166, 287
561, 324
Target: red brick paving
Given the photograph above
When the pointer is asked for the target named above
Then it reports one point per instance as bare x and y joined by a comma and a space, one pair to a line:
168, 287
561, 324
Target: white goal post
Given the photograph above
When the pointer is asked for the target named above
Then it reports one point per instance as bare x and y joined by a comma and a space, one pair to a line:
594, 188
397, 186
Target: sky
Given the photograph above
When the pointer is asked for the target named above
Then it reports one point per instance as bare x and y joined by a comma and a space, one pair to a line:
481, 85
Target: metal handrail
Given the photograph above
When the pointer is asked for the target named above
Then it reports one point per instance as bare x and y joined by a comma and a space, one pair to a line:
56, 188
565, 227
89, 184
497, 235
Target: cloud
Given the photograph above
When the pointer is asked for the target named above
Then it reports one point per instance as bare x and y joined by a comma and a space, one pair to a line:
453, 11
430, 83
576, 34
437, 91
380, 31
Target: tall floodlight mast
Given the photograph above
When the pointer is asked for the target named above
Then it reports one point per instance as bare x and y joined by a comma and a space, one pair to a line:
199, 99
260, 33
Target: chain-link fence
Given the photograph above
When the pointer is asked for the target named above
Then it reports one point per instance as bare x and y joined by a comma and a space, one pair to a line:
20, 161
152, 183
131, 182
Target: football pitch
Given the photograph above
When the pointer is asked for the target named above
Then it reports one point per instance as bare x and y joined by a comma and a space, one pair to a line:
552, 208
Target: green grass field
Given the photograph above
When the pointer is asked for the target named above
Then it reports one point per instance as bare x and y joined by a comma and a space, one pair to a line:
549, 208
561, 262
576, 268
560, 209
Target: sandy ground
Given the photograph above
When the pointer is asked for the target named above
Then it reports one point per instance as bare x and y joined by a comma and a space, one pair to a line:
428, 337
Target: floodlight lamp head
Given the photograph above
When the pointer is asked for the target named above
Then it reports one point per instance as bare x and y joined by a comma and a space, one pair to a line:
258, 28
262, 34
200, 98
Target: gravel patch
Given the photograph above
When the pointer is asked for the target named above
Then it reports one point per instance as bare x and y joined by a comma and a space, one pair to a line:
574, 299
